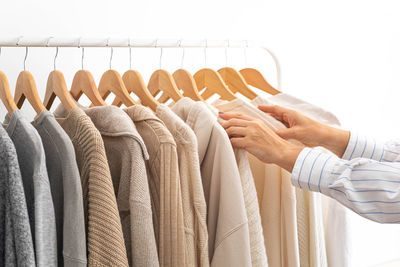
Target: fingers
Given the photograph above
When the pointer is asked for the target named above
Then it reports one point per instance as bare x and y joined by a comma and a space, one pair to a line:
288, 133
236, 131
235, 122
238, 142
233, 115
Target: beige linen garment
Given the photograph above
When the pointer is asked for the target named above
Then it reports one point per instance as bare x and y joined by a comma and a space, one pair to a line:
106, 245
335, 215
126, 155
276, 196
165, 190
228, 232
194, 203
257, 247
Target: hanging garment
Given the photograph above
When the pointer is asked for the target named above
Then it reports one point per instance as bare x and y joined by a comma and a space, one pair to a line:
105, 241
194, 203
257, 246
165, 189
228, 232
126, 155
276, 196
310, 230
66, 191
335, 215
32, 162
16, 245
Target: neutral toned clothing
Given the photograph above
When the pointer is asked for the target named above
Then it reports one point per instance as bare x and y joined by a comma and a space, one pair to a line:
66, 190
32, 163
105, 241
366, 179
126, 155
16, 244
310, 229
276, 196
257, 246
336, 216
164, 181
194, 203
228, 232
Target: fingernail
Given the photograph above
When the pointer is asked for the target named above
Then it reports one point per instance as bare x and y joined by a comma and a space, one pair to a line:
220, 112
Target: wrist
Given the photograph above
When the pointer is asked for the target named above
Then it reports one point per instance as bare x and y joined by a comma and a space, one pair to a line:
288, 155
335, 140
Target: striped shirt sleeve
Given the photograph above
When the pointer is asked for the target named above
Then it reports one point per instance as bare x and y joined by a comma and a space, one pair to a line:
366, 179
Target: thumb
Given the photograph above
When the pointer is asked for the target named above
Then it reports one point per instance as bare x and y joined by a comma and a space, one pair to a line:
288, 133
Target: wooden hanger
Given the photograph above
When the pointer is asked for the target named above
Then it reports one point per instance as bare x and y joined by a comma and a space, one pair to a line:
83, 83
254, 78
5, 94
162, 80
56, 86
210, 79
235, 81
111, 82
26, 88
185, 81
134, 83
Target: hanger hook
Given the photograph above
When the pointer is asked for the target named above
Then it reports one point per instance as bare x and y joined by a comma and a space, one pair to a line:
112, 51
183, 52
226, 53
130, 53
55, 58
26, 55
205, 53
245, 51
83, 51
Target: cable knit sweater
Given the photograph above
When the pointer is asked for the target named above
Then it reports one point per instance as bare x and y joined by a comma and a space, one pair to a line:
126, 155
164, 180
194, 203
106, 245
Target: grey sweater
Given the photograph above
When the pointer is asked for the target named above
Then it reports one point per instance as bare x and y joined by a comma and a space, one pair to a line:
66, 190
16, 245
32, 164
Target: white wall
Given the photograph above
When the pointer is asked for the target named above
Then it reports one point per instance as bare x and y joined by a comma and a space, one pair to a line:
341, 55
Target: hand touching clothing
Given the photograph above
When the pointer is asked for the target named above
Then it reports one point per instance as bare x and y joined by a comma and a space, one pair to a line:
272, 147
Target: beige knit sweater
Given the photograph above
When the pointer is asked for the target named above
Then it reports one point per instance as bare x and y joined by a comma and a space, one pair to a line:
194, 203
104, 232
165, 190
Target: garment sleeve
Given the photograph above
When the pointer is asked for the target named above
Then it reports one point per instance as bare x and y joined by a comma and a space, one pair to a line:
366, 179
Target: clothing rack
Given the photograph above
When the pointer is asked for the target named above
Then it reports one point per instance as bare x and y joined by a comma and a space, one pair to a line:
136, 43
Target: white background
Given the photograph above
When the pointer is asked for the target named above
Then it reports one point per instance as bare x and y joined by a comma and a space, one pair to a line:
341, 55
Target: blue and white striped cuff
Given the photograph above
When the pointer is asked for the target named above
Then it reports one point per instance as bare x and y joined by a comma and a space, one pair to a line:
312, 170
360, 146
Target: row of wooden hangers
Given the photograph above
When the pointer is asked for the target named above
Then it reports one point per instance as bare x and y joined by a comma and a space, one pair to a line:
225, 83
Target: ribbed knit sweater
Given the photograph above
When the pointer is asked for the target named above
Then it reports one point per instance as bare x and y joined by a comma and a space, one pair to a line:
106, 245
165, 190
194, 203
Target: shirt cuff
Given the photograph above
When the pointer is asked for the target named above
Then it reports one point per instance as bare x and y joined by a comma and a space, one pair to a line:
312, 169
360, 146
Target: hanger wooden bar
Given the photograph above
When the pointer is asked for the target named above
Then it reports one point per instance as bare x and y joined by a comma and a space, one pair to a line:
185, 81
26, 88
56, 86
5, 94
162, 80
210, 79
254, 78
235, 81
111, 82
83, 83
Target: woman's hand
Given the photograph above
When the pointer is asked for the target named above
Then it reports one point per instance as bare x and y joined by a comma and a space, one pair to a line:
307, 131
258, 139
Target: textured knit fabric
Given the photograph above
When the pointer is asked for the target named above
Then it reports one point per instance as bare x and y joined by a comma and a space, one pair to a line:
105, 241
16, 245
257, 246
336, 216
126, 154
276, 196
165, 190
66, 191
228, 232
32, 162
194, 203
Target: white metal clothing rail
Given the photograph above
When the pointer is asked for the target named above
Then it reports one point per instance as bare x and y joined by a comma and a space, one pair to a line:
136, 43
